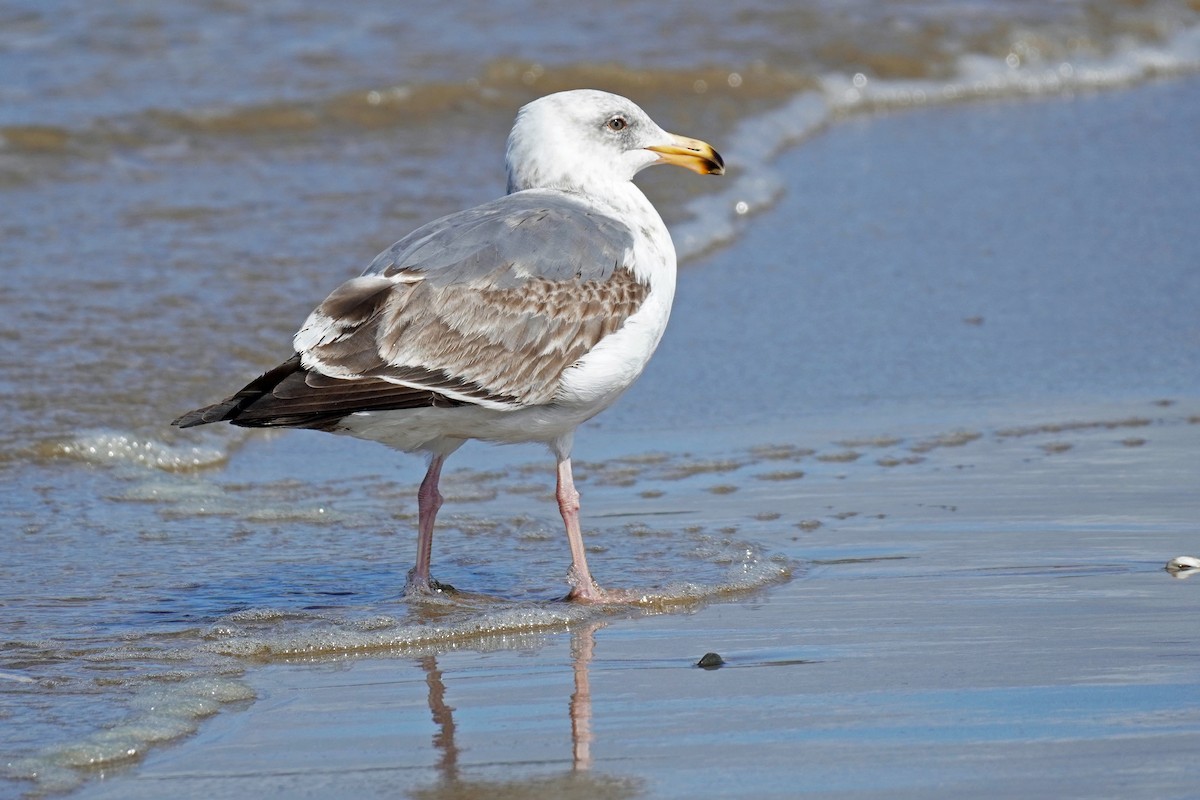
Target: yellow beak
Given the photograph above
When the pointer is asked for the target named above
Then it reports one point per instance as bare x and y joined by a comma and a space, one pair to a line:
692, 154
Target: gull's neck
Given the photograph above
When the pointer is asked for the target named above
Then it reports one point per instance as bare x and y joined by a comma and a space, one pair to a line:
618, 197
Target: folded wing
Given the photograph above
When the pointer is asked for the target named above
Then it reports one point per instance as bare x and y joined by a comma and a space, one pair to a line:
485, 307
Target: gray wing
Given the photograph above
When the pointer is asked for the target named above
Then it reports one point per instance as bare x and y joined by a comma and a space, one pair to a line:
505, 242
488, 306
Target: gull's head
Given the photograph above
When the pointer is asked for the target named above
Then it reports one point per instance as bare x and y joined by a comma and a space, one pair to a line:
584, 139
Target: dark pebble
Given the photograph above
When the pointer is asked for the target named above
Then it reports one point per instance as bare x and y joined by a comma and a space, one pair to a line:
710, 661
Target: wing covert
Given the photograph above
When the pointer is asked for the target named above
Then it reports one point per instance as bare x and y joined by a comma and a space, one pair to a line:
486, 306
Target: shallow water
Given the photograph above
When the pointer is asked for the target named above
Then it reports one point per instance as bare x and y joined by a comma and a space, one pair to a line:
994, 603
181, 183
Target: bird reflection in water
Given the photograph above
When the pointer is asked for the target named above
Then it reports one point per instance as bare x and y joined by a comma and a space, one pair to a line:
578, 781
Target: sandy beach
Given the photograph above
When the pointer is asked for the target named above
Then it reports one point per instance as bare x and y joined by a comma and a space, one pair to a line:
949, 387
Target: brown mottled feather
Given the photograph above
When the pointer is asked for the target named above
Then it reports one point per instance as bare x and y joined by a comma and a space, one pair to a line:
502, 345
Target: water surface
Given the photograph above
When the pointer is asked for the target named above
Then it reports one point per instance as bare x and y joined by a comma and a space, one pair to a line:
181, 183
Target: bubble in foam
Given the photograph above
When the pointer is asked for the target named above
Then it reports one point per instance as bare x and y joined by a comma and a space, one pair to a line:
112, 447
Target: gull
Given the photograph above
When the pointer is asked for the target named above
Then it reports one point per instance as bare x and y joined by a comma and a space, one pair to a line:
514, 321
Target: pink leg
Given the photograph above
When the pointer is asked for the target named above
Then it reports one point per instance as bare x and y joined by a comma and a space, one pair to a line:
583, 587
429, 500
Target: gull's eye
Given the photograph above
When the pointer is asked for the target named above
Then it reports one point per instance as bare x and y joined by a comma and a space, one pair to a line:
617, 124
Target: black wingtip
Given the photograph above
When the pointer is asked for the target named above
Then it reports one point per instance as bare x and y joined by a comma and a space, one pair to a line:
189, 420
218, 412
230, 408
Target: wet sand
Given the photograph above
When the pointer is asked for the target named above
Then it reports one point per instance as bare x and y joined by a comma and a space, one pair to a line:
976, 502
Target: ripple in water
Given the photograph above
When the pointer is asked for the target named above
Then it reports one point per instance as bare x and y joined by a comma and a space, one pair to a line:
161, 683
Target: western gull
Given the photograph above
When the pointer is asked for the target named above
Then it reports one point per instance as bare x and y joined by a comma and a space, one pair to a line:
514, 321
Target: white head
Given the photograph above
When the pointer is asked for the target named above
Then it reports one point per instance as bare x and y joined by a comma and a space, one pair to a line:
581, 140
